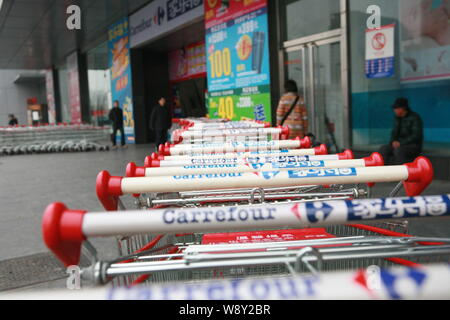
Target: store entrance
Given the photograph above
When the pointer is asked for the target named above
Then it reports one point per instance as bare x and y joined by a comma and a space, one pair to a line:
173, 67
315, 64
188, 98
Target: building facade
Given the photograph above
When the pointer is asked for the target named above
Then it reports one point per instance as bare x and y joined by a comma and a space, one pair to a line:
350, 58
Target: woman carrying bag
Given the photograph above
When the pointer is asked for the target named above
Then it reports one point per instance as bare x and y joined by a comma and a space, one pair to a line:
292, 112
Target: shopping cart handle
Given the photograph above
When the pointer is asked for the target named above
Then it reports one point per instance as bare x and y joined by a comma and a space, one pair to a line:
421, 174
285, 132
62, 232
134, 171
346, 155
162, 150
305, 143
375, 160
322, 150
109, 189
151, 162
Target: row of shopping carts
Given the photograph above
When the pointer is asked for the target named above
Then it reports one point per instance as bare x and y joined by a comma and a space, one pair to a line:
26, 135
235, 210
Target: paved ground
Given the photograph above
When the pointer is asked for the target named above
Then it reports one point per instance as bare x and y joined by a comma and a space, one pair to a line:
30, 183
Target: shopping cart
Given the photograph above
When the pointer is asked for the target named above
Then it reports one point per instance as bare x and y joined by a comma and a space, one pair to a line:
240, 134
287, 217
330, 242
428, 282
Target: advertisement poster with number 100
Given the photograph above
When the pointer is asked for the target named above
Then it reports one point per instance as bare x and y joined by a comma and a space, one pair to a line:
237, 47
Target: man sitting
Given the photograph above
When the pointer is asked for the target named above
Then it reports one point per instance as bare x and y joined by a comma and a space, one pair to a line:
407, 136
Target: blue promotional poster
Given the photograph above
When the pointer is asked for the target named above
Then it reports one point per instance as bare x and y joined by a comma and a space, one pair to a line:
121, 84
237, 46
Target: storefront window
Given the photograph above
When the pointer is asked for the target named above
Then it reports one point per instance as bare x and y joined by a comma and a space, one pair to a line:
302, 18
99, 79
421, 74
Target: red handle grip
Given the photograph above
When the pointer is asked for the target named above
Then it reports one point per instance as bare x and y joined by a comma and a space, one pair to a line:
346, 155
421, 174
62, 232
322, 150
109, 189
375, 160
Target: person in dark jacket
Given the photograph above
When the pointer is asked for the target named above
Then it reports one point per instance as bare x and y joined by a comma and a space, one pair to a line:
13, 121
160, 121
116, 117
407, 136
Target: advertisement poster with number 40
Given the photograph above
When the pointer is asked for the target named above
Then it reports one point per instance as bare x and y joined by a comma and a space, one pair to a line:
237, 49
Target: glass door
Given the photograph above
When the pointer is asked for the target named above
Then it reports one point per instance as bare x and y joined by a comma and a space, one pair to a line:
316, 67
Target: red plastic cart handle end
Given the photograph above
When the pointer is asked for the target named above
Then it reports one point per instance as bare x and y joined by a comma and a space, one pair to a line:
165, 149
109, 189
322, 150
285, 132
156, 156
175, 120
134, 171
421, 175
375, 160
305, 143
346, 155
161, 149
62, 232
179, 140
150, 162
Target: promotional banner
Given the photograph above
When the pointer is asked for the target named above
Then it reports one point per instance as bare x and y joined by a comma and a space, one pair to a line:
187, 62
162, 16
74, 88
425, 40
121, 86
50, 90
380, 55
237, 50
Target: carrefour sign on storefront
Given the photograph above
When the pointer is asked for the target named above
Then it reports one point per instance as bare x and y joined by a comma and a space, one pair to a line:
161, 17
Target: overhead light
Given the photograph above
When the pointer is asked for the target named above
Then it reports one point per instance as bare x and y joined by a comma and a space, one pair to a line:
1, 3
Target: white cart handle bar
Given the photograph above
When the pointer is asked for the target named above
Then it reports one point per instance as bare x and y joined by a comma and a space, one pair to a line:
375, 160
416, 177
281, 133
171, 149
321, 150
430, 283
65, 230
196, 125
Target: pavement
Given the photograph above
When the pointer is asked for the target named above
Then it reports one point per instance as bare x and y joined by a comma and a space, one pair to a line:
30, 183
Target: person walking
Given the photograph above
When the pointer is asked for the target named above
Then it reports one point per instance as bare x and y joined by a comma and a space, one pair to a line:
116, 116
160, 121
292, 112
407, 136
13, 120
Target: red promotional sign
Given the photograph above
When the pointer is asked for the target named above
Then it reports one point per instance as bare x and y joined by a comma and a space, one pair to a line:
220, 11
187, 63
